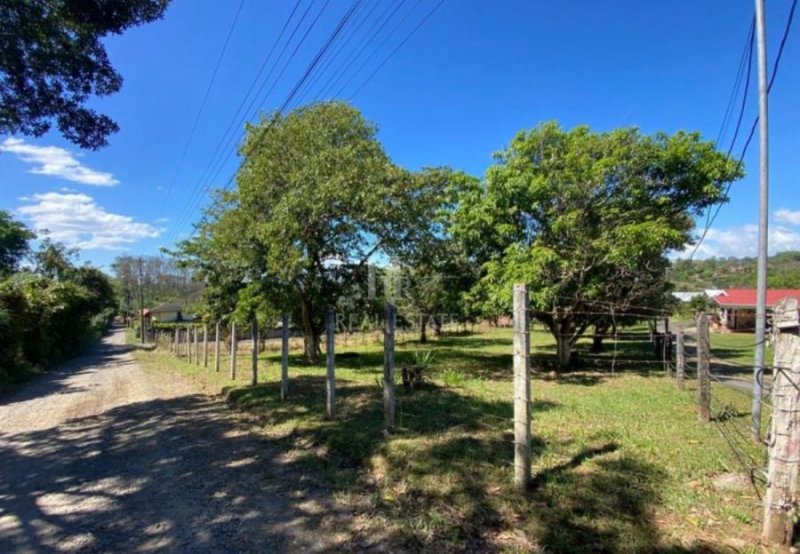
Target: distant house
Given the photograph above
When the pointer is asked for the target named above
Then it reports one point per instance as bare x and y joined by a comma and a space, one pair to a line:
167, 313
738, 306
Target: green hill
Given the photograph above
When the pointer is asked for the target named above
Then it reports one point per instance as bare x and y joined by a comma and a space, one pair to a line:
783, 272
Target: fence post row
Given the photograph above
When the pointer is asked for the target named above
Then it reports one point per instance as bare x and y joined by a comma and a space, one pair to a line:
388, 367
680, 359
233, 350
330, 381
703, 377
784, 449
284, 356
254, 361
522, 389
216, 347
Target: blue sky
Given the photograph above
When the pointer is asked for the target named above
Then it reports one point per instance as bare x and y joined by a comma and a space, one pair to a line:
474, 74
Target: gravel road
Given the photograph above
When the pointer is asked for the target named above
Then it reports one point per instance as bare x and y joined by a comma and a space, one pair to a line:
103, 456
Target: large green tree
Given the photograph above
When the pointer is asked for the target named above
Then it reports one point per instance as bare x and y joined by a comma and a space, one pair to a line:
53, 60
587, 219
317, 198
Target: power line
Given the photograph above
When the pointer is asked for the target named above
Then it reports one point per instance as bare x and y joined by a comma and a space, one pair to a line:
203, 102
775, 68
747, 52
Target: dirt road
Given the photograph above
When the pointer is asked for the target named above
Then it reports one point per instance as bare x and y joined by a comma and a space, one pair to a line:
103, 456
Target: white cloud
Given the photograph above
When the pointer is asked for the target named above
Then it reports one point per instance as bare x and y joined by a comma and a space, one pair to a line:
162, 220
742, 242
788, 216
79, 222
56, 162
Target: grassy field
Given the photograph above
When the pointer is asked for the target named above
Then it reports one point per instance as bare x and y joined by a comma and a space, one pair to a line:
620, 462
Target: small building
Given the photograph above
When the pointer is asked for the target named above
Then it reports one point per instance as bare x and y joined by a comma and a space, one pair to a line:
738, 306
167, 313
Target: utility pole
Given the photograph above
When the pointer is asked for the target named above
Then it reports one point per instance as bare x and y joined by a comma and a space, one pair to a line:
141, 301
763, 214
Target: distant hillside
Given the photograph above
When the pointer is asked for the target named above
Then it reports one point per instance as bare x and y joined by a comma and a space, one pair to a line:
783, 273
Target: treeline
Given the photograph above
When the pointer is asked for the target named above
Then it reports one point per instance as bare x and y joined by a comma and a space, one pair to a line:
50, 308
783, 272
154, 280
585, 219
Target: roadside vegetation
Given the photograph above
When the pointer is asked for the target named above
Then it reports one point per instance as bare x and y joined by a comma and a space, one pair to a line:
49, 309
620, 462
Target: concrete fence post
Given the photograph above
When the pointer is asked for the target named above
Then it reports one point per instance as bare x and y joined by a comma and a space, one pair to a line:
254, 359
680, 359
703, 376
388, 367
522, 389
284, 356
196, 345
784, 450
330, 378
234, 346
205, 344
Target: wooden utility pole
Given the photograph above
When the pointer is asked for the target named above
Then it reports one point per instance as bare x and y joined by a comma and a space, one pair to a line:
254, 355
216, 347
330, 380
388, 367
763, 217
703, 377
284, 356
680, 359
522, 389
233, 350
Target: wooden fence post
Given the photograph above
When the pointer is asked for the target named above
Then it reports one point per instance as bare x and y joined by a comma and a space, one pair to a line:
522, 389
388, 367
254, 360
284, 356
233, 350
703, 377
784, 449
680, 359
330, 381
205, 344
175, 342
216, 347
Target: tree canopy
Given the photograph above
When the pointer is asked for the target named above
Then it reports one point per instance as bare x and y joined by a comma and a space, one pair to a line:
586, 219
317, 198
14, 237
52, 61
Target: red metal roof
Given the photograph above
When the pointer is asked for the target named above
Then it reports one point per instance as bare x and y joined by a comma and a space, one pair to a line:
747, 297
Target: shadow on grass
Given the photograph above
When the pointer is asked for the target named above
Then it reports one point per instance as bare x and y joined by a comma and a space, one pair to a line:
443, 478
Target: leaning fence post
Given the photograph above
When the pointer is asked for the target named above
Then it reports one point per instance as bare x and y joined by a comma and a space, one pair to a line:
284, 356
233, 350
388, 367
784, 451
216, 347
205, 344
254, 360
330, 384
522, 389
703, 377
680, 359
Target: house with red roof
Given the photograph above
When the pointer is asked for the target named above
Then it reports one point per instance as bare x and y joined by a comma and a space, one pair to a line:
738, 306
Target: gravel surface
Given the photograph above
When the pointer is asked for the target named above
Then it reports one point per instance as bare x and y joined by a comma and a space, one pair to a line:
103, 456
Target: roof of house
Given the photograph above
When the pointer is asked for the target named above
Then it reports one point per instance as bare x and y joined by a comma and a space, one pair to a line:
747, 297
166, 308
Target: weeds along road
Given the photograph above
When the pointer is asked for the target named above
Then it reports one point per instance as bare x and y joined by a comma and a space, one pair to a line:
103, 456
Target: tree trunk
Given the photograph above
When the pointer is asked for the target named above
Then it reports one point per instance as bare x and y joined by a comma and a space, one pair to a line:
564, 349
437, 326
597, 339
423, 330
311, 335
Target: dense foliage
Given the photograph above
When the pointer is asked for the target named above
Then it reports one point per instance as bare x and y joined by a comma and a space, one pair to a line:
53, 60
49, 312
783, 272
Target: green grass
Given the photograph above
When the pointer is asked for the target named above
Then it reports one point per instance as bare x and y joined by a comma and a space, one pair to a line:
620, 462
